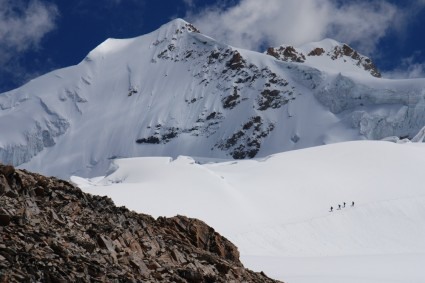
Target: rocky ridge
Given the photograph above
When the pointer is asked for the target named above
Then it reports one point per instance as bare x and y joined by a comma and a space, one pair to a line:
339, 51
50, 231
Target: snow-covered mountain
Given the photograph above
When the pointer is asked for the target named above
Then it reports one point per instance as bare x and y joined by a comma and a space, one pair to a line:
177, 92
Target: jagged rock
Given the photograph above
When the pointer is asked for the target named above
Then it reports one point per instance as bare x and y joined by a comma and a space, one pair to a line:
365, 62
298, 55
4, 187
236, 62
50, 231
286, 53
247, 141
232, 100
316, 52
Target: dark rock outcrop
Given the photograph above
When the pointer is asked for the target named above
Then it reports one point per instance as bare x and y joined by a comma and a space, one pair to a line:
287, 54
291, 54
50, 231
246, 142
360, 60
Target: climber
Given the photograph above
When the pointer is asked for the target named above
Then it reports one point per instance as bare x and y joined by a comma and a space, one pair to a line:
339, 207
352, 204
331, 209
344, 204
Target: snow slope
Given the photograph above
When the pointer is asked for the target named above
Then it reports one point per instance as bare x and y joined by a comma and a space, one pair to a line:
178, 92
276, 209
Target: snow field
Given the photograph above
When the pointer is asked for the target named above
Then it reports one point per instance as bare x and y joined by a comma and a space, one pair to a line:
276, 209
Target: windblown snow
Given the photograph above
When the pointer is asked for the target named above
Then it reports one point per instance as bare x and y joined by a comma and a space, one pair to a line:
178, 92
276, 209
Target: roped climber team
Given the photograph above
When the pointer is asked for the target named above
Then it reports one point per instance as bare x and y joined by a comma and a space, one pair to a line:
339, 206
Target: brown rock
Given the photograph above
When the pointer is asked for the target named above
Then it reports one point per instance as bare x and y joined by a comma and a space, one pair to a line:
177, 256
138, 263
5, 188
236, 62
7, 170
105, 242
287, 54
316, 52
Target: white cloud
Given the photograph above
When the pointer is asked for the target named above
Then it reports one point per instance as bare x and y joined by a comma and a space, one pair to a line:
410, 68
22, 26
363, 23
253, 23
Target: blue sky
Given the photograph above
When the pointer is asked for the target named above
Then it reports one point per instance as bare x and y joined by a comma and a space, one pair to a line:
37, 36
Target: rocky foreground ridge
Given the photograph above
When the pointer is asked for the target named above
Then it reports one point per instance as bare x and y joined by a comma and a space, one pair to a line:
50, 231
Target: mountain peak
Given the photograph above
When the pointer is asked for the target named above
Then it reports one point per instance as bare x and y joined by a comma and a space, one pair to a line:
180, 25
326, 54
171, 31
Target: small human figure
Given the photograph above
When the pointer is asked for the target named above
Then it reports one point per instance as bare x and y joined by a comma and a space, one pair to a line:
344, 204
339, 207
331, 209
352, 204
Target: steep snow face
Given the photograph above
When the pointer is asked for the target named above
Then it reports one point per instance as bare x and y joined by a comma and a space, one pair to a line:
176, 91
276, 209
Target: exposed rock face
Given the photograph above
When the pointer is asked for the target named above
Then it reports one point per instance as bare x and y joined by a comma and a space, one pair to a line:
50, 231
362, 61
301, 55
287, 54
246, 141
316, 52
